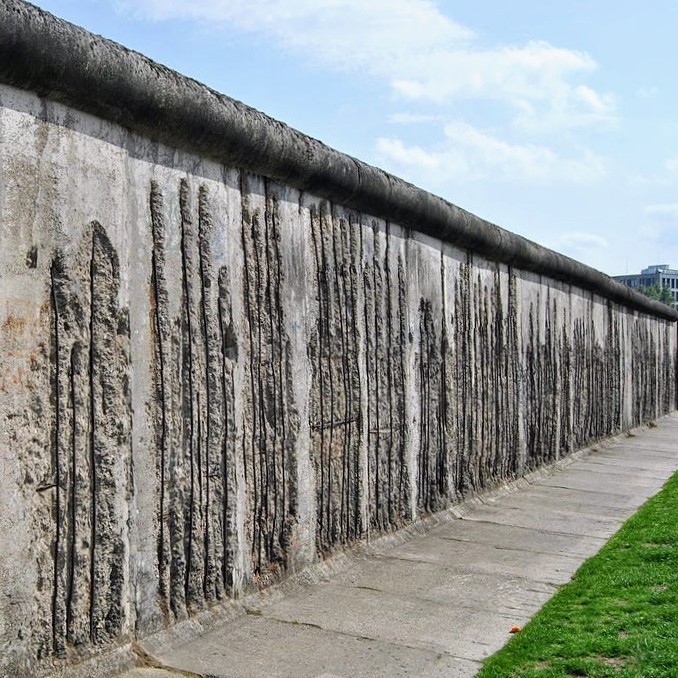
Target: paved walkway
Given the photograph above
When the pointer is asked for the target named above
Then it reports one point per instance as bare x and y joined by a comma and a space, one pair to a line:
438, 603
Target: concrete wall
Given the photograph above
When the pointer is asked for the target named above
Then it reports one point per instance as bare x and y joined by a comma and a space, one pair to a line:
212, 377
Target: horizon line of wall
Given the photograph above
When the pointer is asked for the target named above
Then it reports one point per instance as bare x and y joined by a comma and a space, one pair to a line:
229, 351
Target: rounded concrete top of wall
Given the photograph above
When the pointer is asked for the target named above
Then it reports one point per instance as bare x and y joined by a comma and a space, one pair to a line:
65, 63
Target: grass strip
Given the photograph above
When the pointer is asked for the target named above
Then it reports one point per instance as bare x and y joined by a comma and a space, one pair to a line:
619, 614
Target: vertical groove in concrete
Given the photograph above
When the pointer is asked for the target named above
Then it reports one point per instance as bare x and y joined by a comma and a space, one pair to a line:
336, 398
215, 421
161, 332
92, 454
270, 434
228, 343
59, 443
384, 315
193, 416
485, 393
433, 472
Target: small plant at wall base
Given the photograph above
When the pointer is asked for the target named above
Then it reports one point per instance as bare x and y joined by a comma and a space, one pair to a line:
657, 293
619, 615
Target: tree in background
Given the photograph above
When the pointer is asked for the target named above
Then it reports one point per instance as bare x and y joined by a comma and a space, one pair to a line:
657, 293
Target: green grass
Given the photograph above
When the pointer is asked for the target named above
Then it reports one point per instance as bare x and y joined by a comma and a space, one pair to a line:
617, 617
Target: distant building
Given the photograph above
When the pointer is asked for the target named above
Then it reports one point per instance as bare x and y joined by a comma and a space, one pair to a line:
659, 274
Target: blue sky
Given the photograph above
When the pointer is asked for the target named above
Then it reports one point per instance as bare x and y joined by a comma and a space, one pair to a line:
558, 121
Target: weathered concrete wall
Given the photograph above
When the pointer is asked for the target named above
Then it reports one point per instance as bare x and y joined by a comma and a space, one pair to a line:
212, 377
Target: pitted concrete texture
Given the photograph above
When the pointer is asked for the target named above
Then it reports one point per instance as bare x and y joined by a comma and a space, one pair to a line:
440, 603
211, 380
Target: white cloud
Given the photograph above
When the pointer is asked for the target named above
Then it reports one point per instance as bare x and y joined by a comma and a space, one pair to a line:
581, 245
667, 176
420, 52
661, 231
660, 227
671, 164
417, 157
413, 118
647, 92
471, 154
663, 210
533, 80
380, 35
578, 240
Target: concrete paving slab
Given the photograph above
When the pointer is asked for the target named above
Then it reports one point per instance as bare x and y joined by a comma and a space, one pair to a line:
262, 646
520, 538
584, 479
564, 522
448, 584
648, 447
450, 667
426, 625
598, 501
635, 463
469, 556
581, 504
153, 673
639, 473
652, 448
649, 454
437, 604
